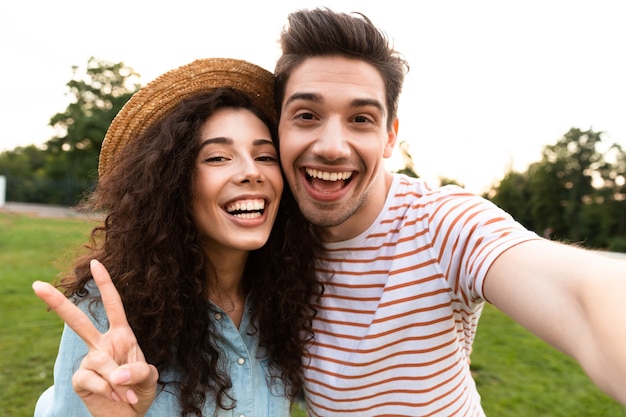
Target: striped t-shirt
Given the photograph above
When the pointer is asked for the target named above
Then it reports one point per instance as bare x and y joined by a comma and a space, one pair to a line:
401, 304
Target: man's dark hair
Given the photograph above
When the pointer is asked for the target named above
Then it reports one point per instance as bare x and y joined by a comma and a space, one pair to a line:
323, 32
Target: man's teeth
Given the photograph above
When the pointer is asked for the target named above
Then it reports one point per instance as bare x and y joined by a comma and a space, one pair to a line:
246, 209
328, 176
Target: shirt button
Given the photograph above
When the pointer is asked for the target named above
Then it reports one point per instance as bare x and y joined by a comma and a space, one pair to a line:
241, 361
242, 415
218, 316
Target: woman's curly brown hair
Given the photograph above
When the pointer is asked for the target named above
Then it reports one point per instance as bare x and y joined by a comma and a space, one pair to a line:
152, 249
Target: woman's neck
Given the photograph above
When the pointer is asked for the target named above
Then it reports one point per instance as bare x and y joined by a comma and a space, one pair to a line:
227, 291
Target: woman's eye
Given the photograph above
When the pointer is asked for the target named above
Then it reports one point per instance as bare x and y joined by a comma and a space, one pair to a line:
267, 158
215, 159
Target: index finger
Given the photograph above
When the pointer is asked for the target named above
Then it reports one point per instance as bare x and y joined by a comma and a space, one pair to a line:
68, 311
110, 296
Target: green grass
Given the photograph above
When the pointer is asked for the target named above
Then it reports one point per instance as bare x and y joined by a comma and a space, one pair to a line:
517, 374
29, 250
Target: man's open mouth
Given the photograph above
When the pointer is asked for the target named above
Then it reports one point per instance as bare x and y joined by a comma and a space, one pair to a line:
328, 176
326, 181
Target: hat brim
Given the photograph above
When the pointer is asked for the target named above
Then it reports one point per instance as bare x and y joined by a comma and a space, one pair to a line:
155, 100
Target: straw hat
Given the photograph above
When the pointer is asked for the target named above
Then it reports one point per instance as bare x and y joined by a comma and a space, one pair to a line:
160, 96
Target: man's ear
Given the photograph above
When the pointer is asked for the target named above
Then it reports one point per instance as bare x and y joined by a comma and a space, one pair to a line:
392, 135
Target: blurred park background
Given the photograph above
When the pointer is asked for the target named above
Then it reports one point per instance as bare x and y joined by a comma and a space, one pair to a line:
575, 192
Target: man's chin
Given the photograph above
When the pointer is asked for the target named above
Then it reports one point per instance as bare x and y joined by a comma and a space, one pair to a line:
323, 216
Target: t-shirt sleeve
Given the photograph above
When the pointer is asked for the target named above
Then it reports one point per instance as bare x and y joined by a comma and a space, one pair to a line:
469, 233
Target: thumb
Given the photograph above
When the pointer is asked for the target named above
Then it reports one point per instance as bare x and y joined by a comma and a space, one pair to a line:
135, 382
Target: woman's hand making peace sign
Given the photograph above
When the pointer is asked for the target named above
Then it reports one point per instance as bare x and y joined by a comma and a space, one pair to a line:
114, 378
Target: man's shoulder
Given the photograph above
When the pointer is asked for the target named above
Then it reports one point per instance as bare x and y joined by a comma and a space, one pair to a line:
406, 187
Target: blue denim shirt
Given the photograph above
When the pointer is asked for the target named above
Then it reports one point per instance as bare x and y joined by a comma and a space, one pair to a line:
255, 392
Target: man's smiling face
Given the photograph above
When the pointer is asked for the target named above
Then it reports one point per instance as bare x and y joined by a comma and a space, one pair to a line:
333, 139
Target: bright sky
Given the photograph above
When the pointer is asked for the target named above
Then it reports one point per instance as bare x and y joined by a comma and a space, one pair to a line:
491, 82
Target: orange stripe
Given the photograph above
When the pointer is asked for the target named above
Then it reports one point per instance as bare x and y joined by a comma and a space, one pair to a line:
377, 335
379, 370
380, 383
385, 346
397, 403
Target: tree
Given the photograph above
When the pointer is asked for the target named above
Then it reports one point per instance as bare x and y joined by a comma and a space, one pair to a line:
574, 193
98, 95
512, 195
409, 167
450, 181
573, 161
66, 166
610, 201
21, 166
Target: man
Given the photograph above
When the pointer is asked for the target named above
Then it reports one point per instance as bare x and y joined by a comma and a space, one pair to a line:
409, 266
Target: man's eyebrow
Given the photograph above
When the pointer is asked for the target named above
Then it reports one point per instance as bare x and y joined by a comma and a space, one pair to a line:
304, 96
358, 102
362, 102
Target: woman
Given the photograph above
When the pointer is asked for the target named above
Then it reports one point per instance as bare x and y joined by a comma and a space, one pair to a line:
213, 300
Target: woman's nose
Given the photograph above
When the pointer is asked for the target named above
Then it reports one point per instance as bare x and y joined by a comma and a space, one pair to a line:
250, 172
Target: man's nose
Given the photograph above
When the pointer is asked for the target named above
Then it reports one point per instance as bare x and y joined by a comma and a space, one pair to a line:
332, 142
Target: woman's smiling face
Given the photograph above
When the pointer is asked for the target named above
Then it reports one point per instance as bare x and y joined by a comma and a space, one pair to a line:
237, 182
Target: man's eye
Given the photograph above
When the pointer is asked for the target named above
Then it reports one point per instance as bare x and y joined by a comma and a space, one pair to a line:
361, 119
305, 116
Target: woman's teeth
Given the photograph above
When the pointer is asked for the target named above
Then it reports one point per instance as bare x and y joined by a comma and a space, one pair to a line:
246, 209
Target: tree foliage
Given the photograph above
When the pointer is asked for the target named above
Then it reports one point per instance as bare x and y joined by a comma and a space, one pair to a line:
409, 166
66, 166
574, 193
